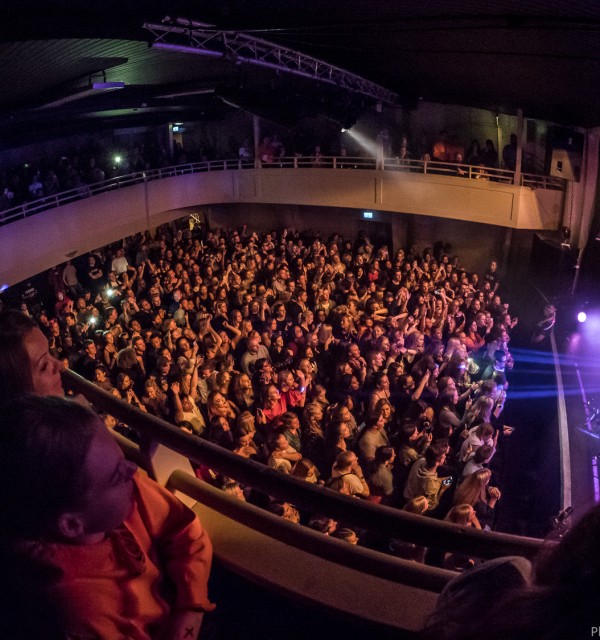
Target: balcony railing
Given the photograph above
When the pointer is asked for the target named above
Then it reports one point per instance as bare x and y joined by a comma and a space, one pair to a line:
426, 167
287, 557
316, 499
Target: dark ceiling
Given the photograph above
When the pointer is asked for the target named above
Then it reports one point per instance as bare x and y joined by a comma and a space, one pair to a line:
540, 56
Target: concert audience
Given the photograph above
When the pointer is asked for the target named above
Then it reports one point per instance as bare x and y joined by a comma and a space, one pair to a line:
285, 348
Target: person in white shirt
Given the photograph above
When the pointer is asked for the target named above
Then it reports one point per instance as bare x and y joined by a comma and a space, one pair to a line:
119, 264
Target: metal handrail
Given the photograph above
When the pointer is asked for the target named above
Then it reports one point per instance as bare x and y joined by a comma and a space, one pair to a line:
427, 167
451, 169
317, 499
534, 181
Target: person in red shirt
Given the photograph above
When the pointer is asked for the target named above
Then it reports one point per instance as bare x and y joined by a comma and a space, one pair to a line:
275, 405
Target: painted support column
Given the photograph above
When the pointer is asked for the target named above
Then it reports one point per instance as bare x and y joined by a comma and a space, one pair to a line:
256, 127
520, 134
582, 203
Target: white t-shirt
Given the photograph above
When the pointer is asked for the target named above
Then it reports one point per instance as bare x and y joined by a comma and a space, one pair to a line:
119, 265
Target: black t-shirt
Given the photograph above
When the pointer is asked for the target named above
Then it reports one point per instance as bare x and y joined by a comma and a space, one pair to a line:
144, 318
492, 278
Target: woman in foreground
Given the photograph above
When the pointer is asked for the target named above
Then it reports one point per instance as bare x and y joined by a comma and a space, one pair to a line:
101, 550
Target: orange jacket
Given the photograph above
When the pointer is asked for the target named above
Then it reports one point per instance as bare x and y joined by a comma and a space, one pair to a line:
127, 585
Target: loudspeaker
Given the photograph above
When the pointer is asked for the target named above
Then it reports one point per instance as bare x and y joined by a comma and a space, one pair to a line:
564, 153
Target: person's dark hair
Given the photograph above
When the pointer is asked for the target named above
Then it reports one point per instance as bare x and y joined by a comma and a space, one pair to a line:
444, 381
383, 455
15, 372
405, 433
378, 377
44, 442
488, 387
287, 419
485, 430
426, 363
178, 343
393, 369
499, 378
278, 508
482, 453
120, 379
432, 456
403, 380
273, 440
415, 410
446, 400
561, 603
576, 560
343, 534
217, 434
372, 419
490, 337
320, 524
344, 459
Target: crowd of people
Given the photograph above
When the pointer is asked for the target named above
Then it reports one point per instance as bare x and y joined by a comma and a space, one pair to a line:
382, 376
95, 163
35, 180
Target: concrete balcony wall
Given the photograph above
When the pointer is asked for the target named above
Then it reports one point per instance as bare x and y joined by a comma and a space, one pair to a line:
32, 245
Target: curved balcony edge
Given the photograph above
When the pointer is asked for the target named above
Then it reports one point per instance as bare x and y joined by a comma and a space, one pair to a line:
109, 212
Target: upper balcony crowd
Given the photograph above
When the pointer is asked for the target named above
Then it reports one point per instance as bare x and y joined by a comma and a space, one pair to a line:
100, 160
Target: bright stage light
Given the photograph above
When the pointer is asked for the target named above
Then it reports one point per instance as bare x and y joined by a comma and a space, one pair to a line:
582, 316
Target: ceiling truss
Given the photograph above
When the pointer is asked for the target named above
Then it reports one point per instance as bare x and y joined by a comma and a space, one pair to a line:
189, 36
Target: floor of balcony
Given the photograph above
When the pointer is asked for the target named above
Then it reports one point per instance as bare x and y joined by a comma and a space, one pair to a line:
247, 611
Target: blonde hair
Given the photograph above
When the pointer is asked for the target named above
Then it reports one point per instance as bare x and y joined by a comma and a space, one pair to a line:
417, 505
245, 423
310, 420
240, 394
473, 488
303, 468
481, 409
460, 514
